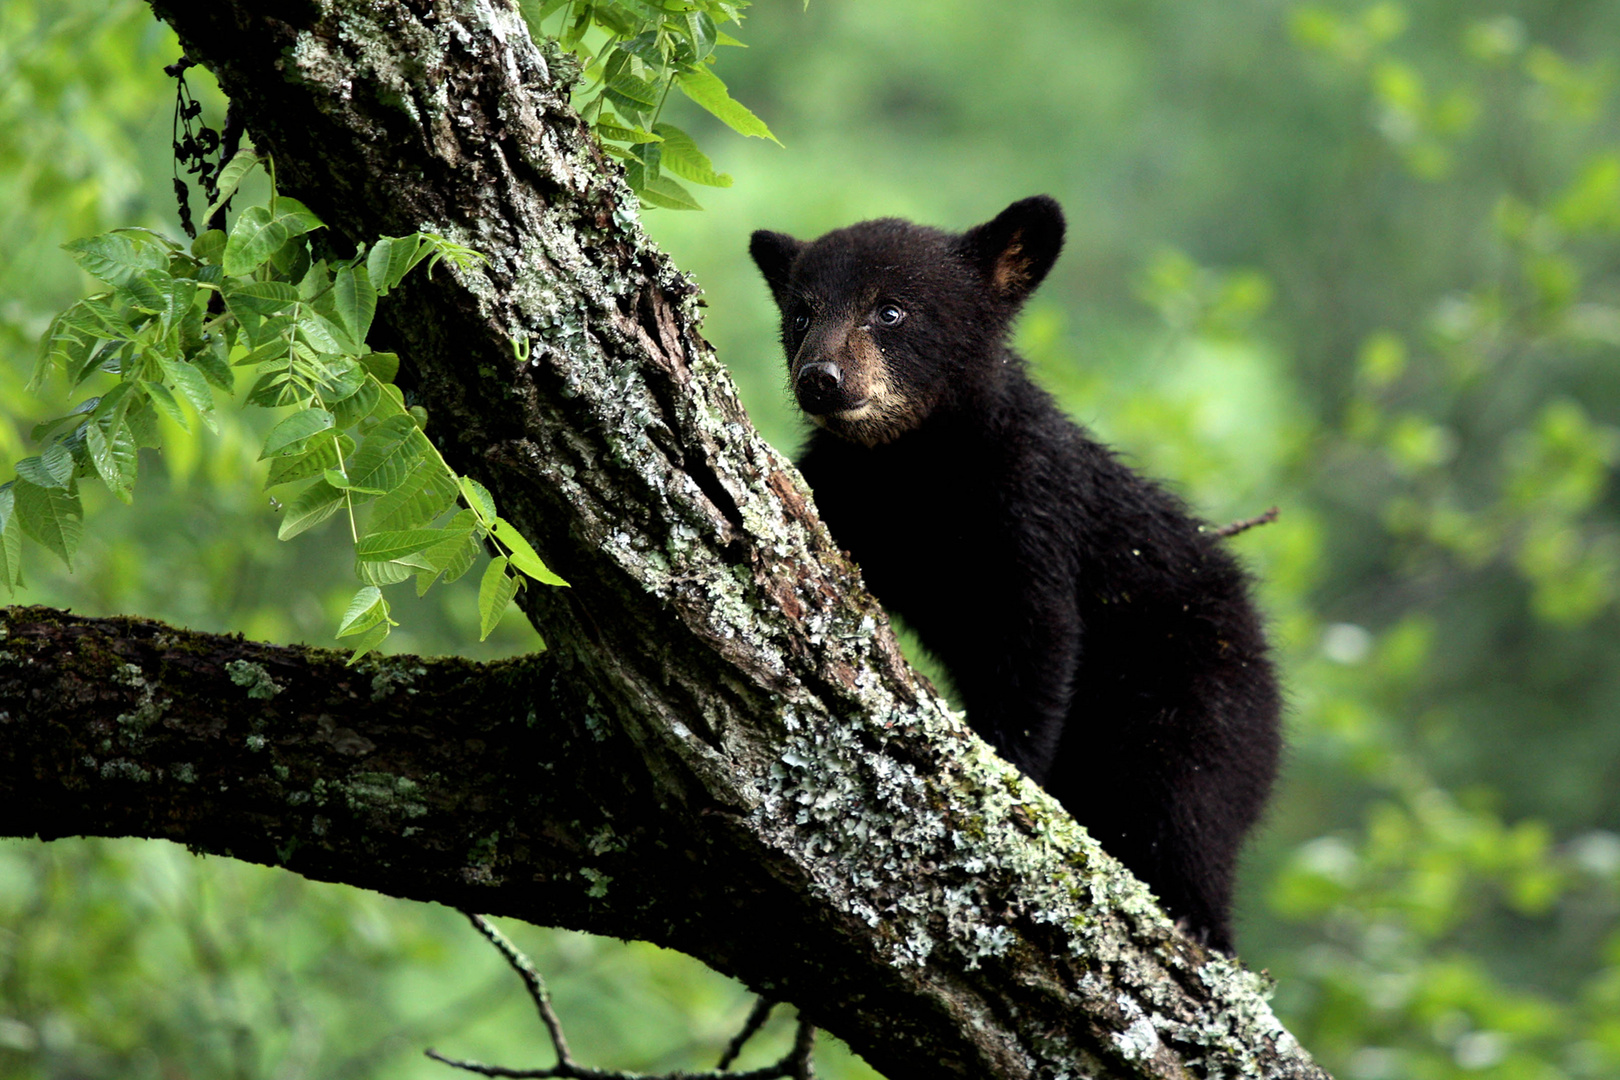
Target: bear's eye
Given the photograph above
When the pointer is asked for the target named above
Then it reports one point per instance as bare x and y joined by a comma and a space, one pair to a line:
890, 315
801, 323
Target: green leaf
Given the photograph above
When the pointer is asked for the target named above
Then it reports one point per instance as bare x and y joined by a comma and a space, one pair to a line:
99, 318
230, 177
114, 402
116, 459
425, 494
52, 468
388, 546
294, 430
252, 241
325, 336
164, 400
320, 454
52, 516
182, 296
393, 401
704, 87
10, 540
626, 86
313, 505
341, 380
614, 19
341, 482
663, 191
607, 129
389, 572
213, 367
682, 157
142, 419
62, 345
193, 387
116, 259
703, 33
150, 290
275, 389
365, 610
109, 356
453, 557
495, 591
259, 297
479, 500
49, 428
387, 454
356, 301
523, 556
645, 47
209, 247
350, 410
391, 258
373, 638
576, 29
383, 366
273, 351
258, 234
151, 236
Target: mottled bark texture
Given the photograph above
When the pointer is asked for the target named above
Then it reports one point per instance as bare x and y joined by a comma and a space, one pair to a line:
723, 751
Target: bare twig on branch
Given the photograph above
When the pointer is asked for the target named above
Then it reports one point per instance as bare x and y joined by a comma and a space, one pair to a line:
796, 1064
756, 1020
1247, 523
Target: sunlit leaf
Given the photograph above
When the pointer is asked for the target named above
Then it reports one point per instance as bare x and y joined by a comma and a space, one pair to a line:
51, 516
523, 556
230, 177
313, 505
704, 87
295, 429
116, 259
365, 610
495, 592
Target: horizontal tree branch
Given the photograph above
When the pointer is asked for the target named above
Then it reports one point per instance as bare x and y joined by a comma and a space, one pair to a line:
501, 786
723, 751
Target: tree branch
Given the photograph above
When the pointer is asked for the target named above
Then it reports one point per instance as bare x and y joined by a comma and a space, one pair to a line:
723, 752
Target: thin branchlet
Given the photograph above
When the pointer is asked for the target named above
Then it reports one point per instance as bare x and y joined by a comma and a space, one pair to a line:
532, 982
756, 1020
1247, 523
797, 1064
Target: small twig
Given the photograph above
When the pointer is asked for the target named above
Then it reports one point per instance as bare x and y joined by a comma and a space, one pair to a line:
756, 1020
796, 1064
531, 981
801, 1059
1247, 523
490, 1070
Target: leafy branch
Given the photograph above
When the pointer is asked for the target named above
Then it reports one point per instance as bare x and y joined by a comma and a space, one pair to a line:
633, 53
178, 323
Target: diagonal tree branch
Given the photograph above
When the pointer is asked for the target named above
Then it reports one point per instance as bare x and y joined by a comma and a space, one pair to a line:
722, 751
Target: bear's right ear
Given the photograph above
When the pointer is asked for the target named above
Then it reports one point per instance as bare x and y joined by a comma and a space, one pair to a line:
1015, 250
774, 253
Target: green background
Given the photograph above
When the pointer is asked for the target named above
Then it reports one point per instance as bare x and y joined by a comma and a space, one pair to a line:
1356, 261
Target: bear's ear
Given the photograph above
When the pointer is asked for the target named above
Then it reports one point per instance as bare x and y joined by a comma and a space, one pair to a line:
1014, 251
774, 253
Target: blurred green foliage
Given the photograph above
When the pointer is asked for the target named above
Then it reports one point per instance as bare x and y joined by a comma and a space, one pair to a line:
1361, 261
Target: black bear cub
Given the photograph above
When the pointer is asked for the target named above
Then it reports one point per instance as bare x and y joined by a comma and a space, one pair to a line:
1097, 633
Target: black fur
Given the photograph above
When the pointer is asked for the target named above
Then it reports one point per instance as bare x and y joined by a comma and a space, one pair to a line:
1098, 634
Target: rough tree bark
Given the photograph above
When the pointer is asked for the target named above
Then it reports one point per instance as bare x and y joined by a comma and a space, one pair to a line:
722, 751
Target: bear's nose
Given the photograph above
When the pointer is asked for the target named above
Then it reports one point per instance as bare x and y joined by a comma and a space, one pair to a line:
818, 387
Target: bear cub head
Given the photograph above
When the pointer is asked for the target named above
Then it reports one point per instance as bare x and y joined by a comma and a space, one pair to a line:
886, 323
